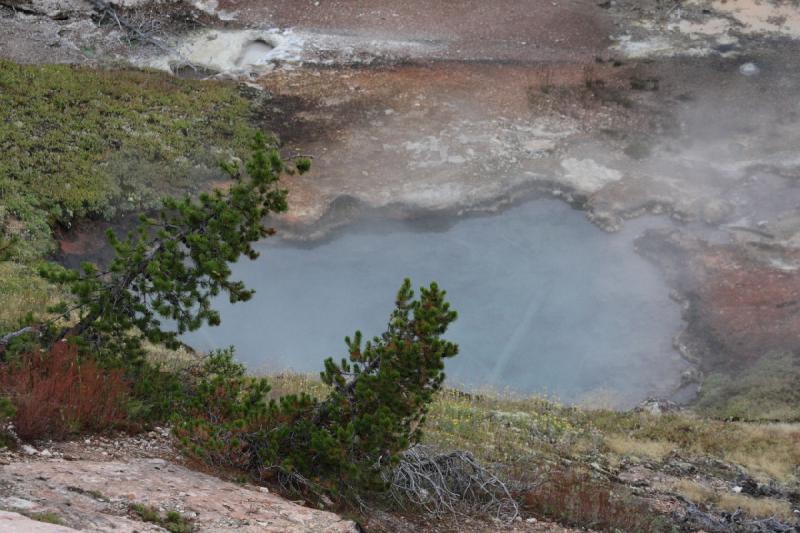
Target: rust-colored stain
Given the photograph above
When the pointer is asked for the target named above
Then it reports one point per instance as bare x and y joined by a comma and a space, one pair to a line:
752, 307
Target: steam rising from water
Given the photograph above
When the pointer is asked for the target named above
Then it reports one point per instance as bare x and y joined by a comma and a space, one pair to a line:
546, 302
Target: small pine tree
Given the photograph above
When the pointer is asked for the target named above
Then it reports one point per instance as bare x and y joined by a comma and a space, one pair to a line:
343, 443
381, 394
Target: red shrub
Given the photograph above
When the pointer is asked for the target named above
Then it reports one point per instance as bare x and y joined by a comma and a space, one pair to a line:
576, 499
58, 393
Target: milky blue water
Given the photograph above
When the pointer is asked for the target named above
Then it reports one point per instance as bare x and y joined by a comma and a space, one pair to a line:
547, 303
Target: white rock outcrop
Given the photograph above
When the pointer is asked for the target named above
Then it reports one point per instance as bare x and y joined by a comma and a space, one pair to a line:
97, 495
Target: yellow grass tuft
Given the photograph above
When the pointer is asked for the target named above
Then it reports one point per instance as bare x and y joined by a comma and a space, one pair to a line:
768, 450
756, 507
652, 449
694, 492
730, 501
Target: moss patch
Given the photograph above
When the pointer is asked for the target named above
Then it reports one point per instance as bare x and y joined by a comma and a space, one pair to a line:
172, 521
768, 390
47, 517
81, 142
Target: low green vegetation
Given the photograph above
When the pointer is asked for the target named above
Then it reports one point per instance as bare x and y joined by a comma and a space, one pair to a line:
172, 521
572, 455
525, 432
768, 390
24, 292
173, 265
82, 142
47, 517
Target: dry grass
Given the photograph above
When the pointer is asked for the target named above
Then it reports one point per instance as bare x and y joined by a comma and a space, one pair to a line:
291, 383
171, 360
622, 445
522, 433
576, 499
519, 433
694, 492
727, 501
528, 440
756, 507
768, 450
525, 438
23, 292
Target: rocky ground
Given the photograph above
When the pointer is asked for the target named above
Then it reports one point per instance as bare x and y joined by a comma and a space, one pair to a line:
98, 483
717, 481
101, 483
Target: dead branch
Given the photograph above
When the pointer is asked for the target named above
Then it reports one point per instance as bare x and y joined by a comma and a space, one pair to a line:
105, 9
450, 483
5, 339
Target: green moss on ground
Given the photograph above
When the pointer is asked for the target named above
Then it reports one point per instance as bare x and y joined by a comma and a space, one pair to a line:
80, 142
172, 521
769, 390
47, 517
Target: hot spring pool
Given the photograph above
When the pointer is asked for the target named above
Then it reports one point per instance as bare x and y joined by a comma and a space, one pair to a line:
547, 303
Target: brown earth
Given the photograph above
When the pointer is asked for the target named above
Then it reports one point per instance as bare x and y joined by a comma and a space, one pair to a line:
742, 300
469, 29
454, 136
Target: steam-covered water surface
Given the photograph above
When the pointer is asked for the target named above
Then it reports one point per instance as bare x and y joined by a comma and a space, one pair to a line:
547, 302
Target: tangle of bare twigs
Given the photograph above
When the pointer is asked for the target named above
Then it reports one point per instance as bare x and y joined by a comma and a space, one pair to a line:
450, 483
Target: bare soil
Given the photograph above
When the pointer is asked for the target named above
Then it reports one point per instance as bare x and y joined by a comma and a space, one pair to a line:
504, 30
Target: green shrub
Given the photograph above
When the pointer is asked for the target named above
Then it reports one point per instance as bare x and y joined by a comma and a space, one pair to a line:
170, 268
173, 265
